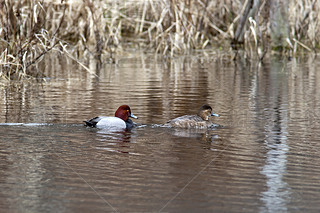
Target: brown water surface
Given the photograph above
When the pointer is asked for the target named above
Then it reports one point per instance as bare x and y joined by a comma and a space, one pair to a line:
265, 158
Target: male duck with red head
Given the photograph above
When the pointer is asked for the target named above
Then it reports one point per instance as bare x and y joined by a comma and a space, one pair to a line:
121, 119
200, 120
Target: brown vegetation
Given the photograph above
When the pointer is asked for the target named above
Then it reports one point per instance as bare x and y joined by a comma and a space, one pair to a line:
30, 29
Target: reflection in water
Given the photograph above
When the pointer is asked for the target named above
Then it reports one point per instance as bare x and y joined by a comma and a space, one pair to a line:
265, 158
113, 140
276, 122
25, 174
202, 134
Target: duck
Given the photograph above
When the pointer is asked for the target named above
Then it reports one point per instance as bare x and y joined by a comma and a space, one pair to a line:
121, 119
200, 120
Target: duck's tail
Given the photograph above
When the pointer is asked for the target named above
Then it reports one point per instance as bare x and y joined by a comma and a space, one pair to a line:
92, 122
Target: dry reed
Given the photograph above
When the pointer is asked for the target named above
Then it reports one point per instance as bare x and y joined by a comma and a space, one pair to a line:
30, 29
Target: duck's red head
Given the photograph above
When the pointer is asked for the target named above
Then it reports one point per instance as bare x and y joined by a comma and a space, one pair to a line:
124, 112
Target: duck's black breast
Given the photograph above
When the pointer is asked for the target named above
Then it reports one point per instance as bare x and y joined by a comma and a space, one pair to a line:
129, 124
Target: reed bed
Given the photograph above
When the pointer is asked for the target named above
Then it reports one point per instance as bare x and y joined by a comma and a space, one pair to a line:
30, 29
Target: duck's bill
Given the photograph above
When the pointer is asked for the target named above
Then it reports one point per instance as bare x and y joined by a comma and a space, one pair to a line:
133, 116
214, 114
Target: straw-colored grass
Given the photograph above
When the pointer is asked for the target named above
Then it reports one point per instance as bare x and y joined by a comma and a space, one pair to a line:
30, 29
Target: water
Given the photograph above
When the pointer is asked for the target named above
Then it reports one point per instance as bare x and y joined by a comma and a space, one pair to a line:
265, 158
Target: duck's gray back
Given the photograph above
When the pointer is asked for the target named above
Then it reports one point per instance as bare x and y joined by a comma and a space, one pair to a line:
189, 121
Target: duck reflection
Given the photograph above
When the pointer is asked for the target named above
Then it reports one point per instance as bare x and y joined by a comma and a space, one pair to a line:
203, 134
114, 135
114, 140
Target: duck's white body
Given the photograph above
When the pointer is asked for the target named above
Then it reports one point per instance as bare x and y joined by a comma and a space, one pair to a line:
110, 122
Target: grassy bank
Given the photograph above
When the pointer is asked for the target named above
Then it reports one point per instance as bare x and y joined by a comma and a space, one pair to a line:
30, 29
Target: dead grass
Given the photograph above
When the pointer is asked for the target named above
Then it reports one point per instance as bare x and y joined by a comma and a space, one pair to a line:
30, 29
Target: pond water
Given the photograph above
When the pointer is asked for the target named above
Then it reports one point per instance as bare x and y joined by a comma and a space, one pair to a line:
264, 158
